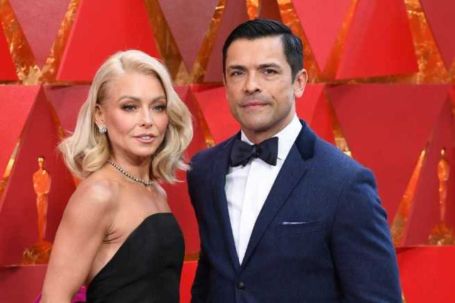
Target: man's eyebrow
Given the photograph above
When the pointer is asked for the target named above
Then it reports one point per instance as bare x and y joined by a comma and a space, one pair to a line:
268, 65
261, 66
236, 67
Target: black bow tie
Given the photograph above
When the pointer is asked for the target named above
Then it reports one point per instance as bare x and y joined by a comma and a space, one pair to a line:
243, 152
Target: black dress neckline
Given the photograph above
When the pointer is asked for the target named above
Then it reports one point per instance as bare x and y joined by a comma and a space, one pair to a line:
147, 266
124, 244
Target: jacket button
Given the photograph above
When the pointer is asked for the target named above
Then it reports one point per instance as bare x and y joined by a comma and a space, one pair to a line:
241, 285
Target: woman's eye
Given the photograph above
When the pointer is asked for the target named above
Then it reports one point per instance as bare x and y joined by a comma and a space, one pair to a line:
160, 107
128, 107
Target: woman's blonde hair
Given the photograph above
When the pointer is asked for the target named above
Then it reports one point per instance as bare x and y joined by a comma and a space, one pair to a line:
87, 150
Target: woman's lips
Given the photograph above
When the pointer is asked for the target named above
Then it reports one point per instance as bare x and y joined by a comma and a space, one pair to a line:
145, 138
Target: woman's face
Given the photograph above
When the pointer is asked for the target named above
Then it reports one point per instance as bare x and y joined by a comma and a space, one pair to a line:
134, 113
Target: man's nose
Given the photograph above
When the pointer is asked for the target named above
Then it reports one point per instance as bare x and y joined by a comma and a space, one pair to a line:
251, 84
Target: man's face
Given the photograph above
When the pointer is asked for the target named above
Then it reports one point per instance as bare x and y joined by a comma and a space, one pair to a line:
259, 86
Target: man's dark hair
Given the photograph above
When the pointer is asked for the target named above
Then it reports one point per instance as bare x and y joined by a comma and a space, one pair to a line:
260, 28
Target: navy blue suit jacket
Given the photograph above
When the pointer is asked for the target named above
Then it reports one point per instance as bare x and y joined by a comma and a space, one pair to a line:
321, 236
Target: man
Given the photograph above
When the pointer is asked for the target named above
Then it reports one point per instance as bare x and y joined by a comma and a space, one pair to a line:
284, 216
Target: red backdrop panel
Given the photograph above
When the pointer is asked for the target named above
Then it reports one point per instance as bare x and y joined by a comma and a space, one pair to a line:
180, 204
188, 24
314, 108
7, 67
198, 143
186, 282
321, 16
379, 42
450, 215
425, 213
216, 111
21, 284
386, 127
269, 10
178, 193
18, 218
427, 273
234, 13
67, 101
13, 118
40, 22
452, 96
100, 29
439, 15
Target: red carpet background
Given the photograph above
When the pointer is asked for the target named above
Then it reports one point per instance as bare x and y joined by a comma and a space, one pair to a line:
382, 88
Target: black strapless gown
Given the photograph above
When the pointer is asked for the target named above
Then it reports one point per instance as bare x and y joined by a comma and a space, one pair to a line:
146, 268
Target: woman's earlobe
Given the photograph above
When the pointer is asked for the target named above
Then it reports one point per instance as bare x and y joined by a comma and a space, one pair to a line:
98, 115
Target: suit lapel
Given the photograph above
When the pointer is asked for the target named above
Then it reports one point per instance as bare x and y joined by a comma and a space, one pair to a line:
293, 170
220, 170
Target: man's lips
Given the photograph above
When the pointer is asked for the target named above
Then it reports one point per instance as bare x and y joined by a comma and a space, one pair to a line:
253, 103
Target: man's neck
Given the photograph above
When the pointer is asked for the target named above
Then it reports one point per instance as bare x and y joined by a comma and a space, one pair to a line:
258, 137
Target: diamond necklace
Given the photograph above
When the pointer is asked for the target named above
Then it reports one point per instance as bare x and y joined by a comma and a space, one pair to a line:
146, 183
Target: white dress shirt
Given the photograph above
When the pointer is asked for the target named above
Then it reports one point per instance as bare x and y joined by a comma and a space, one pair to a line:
247, 187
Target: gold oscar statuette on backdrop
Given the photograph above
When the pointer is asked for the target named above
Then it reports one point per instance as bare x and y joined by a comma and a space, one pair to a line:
40, 251
441, 234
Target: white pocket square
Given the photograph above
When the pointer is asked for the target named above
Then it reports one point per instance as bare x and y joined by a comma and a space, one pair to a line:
294, 222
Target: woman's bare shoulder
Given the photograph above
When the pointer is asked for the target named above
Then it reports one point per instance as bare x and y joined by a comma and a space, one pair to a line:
97, 193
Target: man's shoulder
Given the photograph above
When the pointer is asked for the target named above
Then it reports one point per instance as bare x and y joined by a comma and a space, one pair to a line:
329, 157
323, 155
334, 171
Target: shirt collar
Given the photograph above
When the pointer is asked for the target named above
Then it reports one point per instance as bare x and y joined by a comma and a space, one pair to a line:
286, 137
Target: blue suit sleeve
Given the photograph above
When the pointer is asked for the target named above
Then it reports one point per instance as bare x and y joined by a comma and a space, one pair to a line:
199, 290
364, 255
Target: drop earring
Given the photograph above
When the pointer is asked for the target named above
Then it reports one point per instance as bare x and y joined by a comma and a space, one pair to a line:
102, 129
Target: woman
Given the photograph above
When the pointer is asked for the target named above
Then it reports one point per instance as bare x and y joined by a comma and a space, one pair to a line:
117, 234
